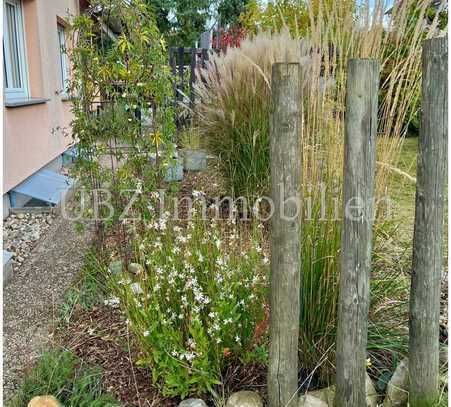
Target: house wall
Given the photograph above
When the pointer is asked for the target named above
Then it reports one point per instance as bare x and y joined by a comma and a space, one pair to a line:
35, 135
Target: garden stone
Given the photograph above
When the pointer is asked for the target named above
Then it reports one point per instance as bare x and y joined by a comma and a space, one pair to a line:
44, 401
327, 394
194, 160
310, 401
115, 267
192, 403
371, 393
244, 399
397, 388
135, 268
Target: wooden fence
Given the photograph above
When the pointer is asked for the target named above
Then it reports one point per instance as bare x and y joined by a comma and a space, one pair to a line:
360, 149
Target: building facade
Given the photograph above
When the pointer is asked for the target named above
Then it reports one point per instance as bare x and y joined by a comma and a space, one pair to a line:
37, 110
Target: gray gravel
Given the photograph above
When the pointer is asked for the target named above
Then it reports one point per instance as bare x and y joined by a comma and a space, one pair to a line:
31, 299
22, 232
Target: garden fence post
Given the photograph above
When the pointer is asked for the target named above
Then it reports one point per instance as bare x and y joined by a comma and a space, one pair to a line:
181, 62
173, 65
285, 157
358, 213
192, 77
428, 232
205, 57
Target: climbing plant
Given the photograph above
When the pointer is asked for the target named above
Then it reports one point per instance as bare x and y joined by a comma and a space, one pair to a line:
123, 118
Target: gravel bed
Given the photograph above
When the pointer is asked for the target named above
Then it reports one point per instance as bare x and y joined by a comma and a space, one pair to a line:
21, 233
31, 299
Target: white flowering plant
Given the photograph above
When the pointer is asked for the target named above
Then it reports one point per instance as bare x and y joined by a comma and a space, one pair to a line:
198, 302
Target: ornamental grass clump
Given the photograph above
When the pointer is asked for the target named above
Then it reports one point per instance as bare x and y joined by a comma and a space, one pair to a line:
233, 103
197, 303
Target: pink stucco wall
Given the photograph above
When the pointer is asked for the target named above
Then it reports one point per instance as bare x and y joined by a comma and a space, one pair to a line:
35, 135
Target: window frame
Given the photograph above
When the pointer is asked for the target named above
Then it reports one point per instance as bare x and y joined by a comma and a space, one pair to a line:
22, 92
63, 58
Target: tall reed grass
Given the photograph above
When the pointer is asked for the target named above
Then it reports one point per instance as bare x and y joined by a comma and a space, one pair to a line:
233, 95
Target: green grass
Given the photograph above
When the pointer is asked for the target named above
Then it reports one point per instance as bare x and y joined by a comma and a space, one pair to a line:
61, 374
88, 291
402, 188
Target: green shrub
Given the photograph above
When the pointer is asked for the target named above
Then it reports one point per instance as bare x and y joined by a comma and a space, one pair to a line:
196, 306
122, 115
62, 375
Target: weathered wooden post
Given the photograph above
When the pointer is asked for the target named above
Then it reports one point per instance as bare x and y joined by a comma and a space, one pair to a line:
359, 166
428, 234
285, 155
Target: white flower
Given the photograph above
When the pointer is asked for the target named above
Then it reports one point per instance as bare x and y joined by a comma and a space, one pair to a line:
136, 288
237, 338
112, 302
191, 343
265, 260
197, 194
146, 333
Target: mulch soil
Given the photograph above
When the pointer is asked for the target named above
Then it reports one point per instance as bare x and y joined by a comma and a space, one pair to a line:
99, 337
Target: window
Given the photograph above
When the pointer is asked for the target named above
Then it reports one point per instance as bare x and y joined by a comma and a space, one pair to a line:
64, 65
15, 72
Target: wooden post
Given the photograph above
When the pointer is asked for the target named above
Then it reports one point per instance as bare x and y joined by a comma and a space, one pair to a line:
285, 155
428, 234
359, 166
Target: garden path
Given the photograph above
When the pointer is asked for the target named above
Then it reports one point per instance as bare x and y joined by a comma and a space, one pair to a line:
31, 299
